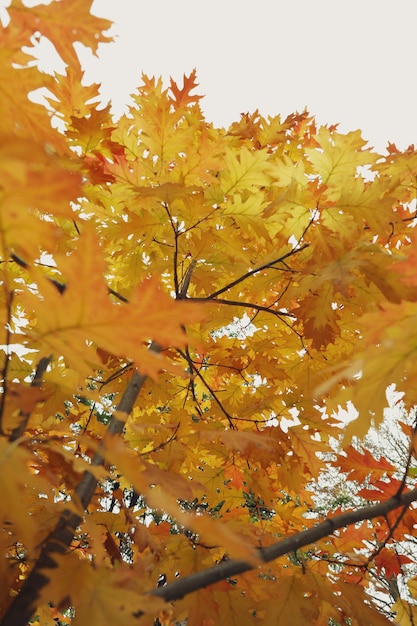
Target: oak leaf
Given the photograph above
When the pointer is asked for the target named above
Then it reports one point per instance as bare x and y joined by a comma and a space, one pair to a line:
360, 464
390, 562
103, 595
51, 20
183, 97
67, 323
33, 182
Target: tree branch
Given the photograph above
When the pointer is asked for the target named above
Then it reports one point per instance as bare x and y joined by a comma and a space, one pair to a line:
207, 386
5, 368
245, 305
182, 587
255, 271
23, 605
36, 382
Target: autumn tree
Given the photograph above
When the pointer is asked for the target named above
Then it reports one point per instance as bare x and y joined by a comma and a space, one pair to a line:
185, 311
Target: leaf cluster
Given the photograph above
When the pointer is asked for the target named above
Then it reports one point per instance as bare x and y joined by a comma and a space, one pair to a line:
184, 310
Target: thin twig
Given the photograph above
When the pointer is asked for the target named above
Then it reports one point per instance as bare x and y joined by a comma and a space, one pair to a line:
5, 368
209, 389
256, 270
175, 231
245, 305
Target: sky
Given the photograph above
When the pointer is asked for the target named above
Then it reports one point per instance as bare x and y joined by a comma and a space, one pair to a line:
352, 62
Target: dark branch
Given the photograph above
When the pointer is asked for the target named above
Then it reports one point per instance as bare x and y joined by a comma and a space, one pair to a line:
197, 372
21, 609
5, 368
256, 270
182, 294
245, 305
36, 382
182, 587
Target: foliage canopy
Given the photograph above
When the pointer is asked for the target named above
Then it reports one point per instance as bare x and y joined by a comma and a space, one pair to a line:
184, 311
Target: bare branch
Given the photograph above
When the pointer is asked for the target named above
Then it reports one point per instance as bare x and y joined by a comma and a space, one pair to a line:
256, 270
209, 389
180, 588
245, 305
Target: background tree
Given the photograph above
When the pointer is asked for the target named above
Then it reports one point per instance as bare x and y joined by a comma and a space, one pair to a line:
184, 310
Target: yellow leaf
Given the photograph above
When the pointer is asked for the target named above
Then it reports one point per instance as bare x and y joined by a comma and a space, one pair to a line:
51, 20
33, 182
67, 324
100, 596
246, 170
210, 531
21, 488
338, 158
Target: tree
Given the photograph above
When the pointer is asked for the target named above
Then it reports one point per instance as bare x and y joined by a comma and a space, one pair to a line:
185, 310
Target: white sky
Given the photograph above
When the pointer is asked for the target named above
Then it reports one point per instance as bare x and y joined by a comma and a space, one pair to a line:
347, 61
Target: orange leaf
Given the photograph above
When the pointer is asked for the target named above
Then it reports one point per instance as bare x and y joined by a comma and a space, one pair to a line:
52, 21
33, 182
390, 562
234, 476
362, 464
183, 97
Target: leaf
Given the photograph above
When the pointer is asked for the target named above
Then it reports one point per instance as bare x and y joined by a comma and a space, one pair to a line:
338, 158
390, 562
362, 464
18, 115
234, 476
90, 130
404, 612
51, 20
21, 400
21, 488
33, 180
67, 323
320, 317
182, 97
70, 93
352, 604
104, 596
246, 170
203, 610
293, 603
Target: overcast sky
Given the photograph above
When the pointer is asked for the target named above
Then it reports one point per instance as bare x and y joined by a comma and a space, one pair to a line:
347, 61
353, 62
